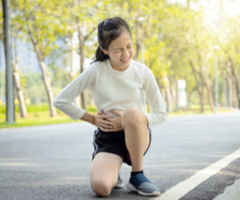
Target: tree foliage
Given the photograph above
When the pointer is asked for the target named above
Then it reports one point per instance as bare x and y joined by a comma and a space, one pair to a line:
178, 42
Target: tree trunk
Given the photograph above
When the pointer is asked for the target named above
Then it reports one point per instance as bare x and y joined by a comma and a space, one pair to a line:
46, 74
224, 93
202, 100
234, 104
174, 93
82, 57
162, 89
235, 80
16, 81
6, 96
47, 83
77, 100
200, 92
169, 99
188, 100
5, 32
17, 85
163, 95
210, 97
205, 81
227, 90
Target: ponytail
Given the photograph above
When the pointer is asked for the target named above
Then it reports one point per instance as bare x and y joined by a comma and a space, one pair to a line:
100, 55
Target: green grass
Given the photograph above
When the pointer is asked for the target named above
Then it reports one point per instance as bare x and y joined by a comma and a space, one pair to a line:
39, 115
30, 108
35, 122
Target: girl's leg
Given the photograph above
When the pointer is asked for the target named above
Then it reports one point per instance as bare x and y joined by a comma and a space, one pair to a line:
104, 172
136, 135
137, 141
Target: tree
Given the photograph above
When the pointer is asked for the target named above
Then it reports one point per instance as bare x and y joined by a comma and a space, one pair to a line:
80, 17
16, 78
15, 29
43, 32
231, 48
10, 114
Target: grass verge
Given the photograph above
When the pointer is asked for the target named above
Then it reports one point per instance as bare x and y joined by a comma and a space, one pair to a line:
39, 115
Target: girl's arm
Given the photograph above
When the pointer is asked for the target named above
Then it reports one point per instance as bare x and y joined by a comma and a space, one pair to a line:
158, 114
89, 118
64, 101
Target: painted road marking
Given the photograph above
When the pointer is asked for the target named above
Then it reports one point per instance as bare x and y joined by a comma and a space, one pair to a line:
186, 186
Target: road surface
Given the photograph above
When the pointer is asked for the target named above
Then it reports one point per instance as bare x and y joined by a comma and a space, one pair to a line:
52, 162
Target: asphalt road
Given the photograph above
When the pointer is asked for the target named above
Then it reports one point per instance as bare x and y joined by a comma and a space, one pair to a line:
52, 162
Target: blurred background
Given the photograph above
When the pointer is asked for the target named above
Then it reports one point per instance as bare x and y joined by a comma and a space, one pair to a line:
192, 47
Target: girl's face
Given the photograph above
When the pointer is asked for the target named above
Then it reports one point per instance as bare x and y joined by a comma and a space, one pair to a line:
120, 51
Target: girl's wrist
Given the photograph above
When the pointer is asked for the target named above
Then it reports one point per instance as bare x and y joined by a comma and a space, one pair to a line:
95, 120
89, 118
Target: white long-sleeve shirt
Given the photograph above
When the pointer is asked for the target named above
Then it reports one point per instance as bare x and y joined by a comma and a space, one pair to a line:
114, 89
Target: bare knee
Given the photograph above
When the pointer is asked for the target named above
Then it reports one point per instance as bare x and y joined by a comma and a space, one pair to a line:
101, 187
133, 116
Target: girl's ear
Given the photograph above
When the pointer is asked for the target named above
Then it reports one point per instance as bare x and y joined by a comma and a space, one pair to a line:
104, 51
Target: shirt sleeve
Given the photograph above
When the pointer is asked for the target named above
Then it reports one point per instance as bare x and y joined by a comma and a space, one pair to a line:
64, 101
158, 114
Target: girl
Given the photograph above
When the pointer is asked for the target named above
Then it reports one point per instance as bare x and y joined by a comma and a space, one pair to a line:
123, 135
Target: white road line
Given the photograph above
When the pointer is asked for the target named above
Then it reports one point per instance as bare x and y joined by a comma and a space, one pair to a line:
186, 186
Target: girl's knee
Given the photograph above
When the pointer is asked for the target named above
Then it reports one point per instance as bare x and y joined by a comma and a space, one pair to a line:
101, 187
133, 116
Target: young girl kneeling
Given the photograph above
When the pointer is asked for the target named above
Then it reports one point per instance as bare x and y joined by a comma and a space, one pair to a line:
123, 135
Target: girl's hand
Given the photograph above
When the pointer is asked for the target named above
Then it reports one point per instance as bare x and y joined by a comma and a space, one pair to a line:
103, 121
116, 121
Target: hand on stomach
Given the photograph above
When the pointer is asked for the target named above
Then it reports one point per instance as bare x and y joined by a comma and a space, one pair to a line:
110, 122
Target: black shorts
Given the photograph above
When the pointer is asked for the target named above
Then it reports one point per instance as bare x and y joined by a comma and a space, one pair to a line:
113, 142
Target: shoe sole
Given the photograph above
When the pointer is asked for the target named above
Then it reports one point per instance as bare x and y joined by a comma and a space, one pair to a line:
118, 186
133, 189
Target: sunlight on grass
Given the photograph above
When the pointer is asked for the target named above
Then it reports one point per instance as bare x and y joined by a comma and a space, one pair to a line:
39, 115
39, 119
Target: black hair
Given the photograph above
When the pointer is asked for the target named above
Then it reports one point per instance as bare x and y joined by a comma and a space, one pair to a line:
109, 30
